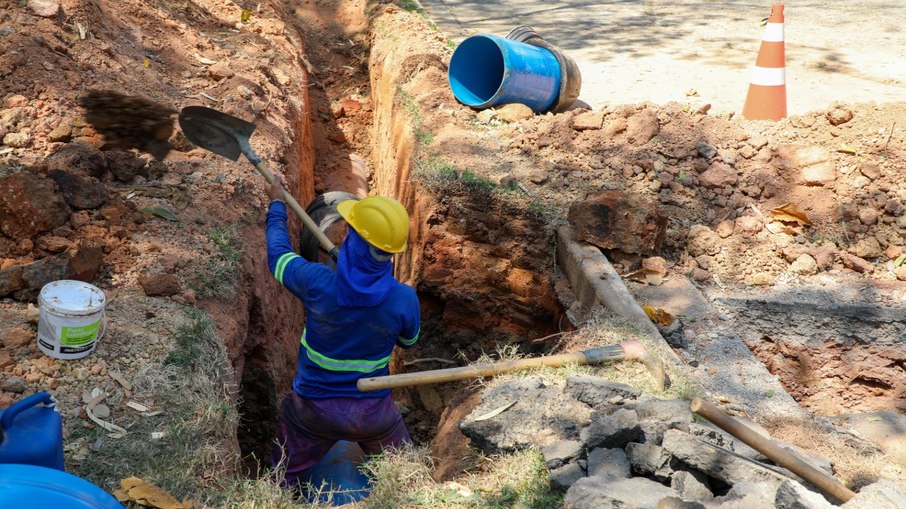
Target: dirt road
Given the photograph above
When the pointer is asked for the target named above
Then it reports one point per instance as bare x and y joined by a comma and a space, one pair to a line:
660, 51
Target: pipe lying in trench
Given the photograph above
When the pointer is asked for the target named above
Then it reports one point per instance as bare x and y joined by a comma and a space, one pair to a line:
629, 350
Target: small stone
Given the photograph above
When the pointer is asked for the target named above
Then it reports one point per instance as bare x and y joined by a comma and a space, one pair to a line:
868, 247
44, 8
640, 128
746, 152
818, 174
901, 272
705, 150
703, 261
718, 175
760, 279
588, 120
6, 359
700, 275
871, 170
615, 127
14, 384
220, 71
17, 140
725, 228
804, 265
32, 313
96, 369
824, 255
101, 411
839, 114
893, 252
62, 132
868, 215
538, 177
857, 264
515, 112
6, 400
748, 225
16, 337
160, 285
702, 240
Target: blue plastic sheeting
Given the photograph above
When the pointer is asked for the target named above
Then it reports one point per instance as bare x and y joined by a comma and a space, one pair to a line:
32, 486
487, 70
338, 475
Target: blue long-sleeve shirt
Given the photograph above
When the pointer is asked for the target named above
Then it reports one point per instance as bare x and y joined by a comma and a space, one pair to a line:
339, 345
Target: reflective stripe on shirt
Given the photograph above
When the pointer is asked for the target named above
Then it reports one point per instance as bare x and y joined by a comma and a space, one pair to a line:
281, 265
331, 364
408, 342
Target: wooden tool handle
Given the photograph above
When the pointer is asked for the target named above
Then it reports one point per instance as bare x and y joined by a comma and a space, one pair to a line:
293, 204
779, 455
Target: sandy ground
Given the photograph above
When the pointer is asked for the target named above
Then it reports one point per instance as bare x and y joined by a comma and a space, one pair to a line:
633, 51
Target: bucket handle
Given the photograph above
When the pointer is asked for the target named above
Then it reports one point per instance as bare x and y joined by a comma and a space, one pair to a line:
9, 415
103, 326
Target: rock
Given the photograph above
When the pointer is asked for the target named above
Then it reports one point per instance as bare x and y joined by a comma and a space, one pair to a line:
614, 430
818, 174
17, 140
515, 112
32, 314
719, 175
615, 127
589, 120
6, 360
485, 116
655, 264
79, 158
702, 240
617, 220
346, 107
703, 261
597, 392
746, 152
44, 8
125, 166
748, 495
893, 252
62, 132
705, 150
82, 263
610, 463
677, 503
825, 255
6, 400
643, 126
53, 244
725, 229
748, 226
868, 215
541, 416
700, 275
900, 272
657, 416
871, 170
893, 207
804, 265
14, 384
538, 177
691, 485
80, 192
839, 114
884, 494
562, 478
609, 493
561, 452
220, 71
15, 337
715, 461
160, 285
649, 459
11, 280
29, 205
857, 264
867, 248
792, 495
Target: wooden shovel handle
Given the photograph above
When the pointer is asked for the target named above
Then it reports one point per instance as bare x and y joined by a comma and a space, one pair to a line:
779, 455
293, 204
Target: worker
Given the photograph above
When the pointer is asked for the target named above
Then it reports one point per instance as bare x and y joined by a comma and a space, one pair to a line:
354, 318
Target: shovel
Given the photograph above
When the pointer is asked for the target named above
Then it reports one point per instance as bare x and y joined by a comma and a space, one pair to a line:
629, 350
228, 136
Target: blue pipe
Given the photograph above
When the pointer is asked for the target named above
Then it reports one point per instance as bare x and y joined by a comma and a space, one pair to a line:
487, 70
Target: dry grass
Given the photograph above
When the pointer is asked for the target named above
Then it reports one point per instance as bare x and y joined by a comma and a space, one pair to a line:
855, 465
403, 480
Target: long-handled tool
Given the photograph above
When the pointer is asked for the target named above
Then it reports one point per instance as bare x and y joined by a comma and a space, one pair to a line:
228, 136
779, 455
629, 350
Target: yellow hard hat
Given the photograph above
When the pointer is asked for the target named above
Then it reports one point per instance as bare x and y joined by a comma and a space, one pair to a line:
383, 222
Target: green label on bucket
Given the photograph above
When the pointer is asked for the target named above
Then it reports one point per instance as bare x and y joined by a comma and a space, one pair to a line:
74, 336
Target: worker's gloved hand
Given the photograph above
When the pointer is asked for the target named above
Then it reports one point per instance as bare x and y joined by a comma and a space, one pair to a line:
276, 189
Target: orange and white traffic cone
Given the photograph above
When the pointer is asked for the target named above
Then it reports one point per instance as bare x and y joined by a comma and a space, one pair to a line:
766, 99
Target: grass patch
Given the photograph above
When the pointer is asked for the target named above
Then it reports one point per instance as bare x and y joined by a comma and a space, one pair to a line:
218, 278
551, 217
423, 137
403, 480
442, 176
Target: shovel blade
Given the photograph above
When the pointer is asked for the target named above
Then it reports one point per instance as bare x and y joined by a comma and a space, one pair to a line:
215, 131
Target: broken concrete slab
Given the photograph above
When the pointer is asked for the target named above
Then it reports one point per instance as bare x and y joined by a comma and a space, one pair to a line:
609, 493
613, 463
563, 477
792, 495
883, 494
540, 416
598, 392
610, 431
650, 460
691, 485
716, 462
561, 452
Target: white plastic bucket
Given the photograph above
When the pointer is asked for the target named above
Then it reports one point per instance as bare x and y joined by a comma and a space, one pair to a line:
70, 321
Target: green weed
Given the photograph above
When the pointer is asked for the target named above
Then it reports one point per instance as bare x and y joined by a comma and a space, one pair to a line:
218, 278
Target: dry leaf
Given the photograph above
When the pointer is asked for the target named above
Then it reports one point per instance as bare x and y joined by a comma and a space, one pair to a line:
137, 406
899, 261
777, 228
204, 60
847, 149
120, 379
790, 213
647, 276
147, 63
492, 413
658, 315
148, 494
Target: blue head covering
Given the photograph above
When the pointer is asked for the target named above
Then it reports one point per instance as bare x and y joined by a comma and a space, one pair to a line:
364, 273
